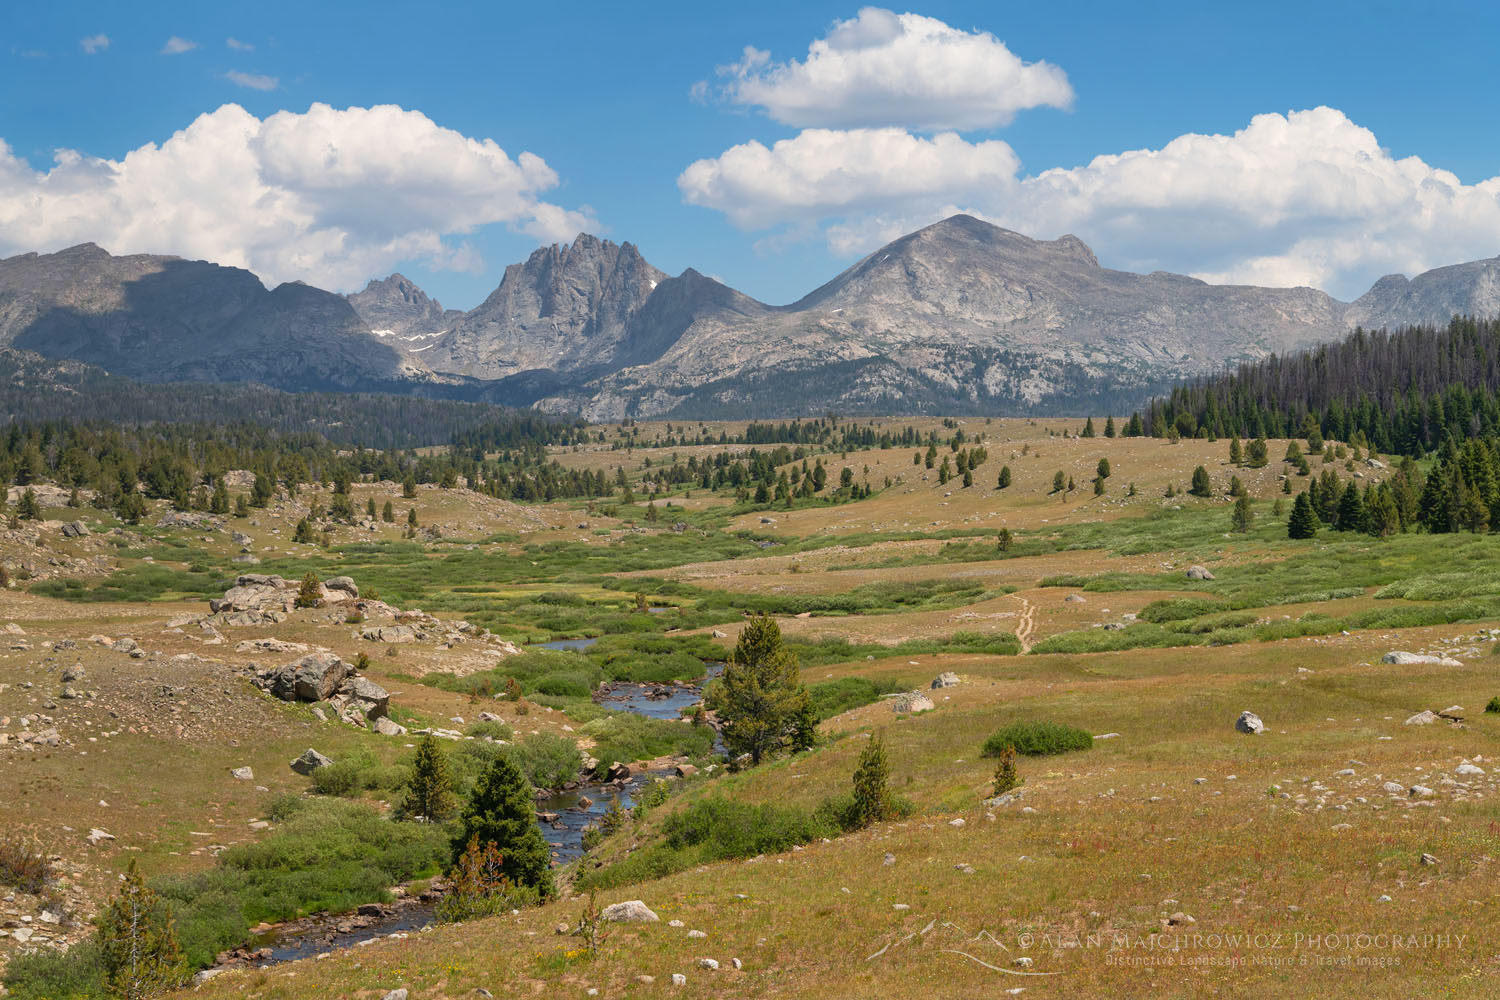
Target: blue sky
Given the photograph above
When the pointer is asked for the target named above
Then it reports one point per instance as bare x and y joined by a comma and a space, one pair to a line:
1393, 174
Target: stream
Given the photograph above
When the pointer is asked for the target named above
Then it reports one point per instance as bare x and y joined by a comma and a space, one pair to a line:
560, 816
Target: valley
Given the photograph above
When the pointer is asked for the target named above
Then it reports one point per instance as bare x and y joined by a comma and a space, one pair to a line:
1353, 832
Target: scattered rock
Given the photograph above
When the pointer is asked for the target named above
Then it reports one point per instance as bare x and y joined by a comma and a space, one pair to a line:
1249, 722
1425, 718
678, 979
946, 679
1409, 659
1199, 573
1428, 859
912, 701
310, 761
708, 963
242, 774
632, 911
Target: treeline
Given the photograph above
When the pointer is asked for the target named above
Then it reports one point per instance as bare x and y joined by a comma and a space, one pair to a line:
825, 433
186, 464
34, 390
1401, 393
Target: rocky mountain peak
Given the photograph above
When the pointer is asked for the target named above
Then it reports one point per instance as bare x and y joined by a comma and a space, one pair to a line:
396, 307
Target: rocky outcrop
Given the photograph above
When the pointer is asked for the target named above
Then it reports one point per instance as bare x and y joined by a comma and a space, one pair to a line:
324, 677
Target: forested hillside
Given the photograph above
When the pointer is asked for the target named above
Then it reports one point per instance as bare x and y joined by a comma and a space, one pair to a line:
1403, 392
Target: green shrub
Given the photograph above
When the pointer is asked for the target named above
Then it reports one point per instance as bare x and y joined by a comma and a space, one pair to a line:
547, 760
625, 736
724, 829
491, 730
356, 773
830, 698
1178, 608
1493, 706
325, 854
47, 974
1038, 739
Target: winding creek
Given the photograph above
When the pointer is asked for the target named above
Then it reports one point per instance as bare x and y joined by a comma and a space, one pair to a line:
562, 817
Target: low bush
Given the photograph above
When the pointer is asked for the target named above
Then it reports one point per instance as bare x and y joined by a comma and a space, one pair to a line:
23, 863
1493, 706
48, 974
547, 760
356, 773
491, 730
627, 736
830, 698
724, 829
1178, 608
325, 854
1038, 739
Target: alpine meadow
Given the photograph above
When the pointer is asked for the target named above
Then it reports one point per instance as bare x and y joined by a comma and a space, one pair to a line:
1086, 583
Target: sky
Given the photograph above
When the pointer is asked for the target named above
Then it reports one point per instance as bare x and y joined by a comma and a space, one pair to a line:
768, 145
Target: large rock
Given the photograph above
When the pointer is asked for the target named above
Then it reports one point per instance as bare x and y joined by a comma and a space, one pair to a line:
390, 633
373, 699
632, 911
1199, 573
912, 701
387, 727
341, 588
1426, 718
310, 761
1249, 722
75, 529
1413, 659
946, 679
315, 677
257, 592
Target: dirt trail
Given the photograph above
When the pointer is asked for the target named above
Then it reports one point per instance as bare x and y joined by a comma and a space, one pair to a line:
1026, 625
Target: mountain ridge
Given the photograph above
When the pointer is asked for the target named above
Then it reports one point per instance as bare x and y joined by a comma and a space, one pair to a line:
958, 316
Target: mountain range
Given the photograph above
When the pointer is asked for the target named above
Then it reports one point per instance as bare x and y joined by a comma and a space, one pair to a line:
961, 316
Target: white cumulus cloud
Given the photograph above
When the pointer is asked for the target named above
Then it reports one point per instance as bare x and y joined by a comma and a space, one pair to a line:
1304, 198
239, 46
881, 69
824, 172
329, 196
177, 46
254, 81
94, 43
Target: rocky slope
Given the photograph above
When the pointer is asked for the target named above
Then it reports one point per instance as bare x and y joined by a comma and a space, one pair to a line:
1471, 289
961, 316
566, 309
166, 319
395, 307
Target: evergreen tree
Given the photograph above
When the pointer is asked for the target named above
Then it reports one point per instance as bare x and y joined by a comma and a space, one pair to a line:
872, 792
27, 508
1236, 451
1059, 482
409, 487
262, 491
1103, 469
303, 535
1004, 540
1005, 772
138, 942
1109, 427
1304, 522
968, 478
1256, 455
370, 511
502, 810
1243, 516
1202, 486
761, 692
388, 513
241, 506
429, 790
1385, 517
220, 502
1004, 482
1088, 428
1351, 515
310, 594
411, 518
